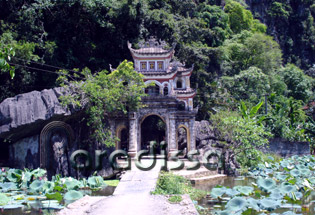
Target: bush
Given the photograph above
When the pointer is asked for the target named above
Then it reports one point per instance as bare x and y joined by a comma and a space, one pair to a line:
170, 184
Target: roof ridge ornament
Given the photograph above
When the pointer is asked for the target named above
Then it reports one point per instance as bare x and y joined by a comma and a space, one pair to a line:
152, 43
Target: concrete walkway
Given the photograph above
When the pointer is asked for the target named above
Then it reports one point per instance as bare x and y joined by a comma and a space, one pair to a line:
132, 197
138, 181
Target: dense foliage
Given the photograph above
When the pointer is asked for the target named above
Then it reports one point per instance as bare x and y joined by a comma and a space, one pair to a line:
234, 57
244, 133
103, 94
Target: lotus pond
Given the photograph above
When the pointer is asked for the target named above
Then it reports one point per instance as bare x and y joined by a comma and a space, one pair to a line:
28, 192
285, 188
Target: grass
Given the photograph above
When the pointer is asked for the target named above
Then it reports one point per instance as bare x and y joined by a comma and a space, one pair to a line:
175, 199
113, 183
170, 184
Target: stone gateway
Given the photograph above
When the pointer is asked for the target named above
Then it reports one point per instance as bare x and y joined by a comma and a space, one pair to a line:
168, 106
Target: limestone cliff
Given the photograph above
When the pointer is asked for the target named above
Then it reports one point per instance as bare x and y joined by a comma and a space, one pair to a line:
25, 114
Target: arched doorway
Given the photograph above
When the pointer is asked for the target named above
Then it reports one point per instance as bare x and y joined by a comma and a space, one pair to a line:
122, 134
153, 128
153, 90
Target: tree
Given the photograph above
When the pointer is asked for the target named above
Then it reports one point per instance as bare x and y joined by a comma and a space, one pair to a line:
299, 85
246, 49
241, 19
244, 136
250, 84
14, 76
102, 95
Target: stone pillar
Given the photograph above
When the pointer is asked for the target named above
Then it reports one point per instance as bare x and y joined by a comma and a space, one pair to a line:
192, 134
133, 134
172, 135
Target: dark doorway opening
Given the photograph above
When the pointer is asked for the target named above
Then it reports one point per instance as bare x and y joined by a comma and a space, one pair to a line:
179, 84
124, 140
153, 128
4, 154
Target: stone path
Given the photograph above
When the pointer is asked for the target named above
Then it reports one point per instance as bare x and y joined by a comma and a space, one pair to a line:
138, 181
132, 196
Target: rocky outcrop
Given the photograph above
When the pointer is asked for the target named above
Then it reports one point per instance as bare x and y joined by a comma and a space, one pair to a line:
25, 114
207, 139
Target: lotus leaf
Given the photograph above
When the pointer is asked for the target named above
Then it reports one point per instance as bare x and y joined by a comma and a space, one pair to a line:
7, 186
261, 166
38, 172
72, 196
312, 180
231, 192
276, 194
268, 171
237, 204
54, 196
245, 190
284, 163
37, 185
48, 186
217, 192
3, 199
96, 181
266, 184
306, 172
26, 177
72, 184
14, 175
281, 177
295, 173
287, 188
253, 203
296, 195
301, 167
269, 204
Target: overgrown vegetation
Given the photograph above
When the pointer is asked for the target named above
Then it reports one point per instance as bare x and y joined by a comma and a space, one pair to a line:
103, 94
171, 184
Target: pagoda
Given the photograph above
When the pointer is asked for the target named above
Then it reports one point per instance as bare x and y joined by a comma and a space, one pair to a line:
171, 78
167, 114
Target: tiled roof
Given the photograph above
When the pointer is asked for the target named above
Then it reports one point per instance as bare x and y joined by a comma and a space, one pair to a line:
150, 47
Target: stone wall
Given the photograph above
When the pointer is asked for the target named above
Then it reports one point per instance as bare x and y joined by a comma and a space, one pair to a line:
24, 153
286, 148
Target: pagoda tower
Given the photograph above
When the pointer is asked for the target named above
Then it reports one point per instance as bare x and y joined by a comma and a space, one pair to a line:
171, 78
168, 113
